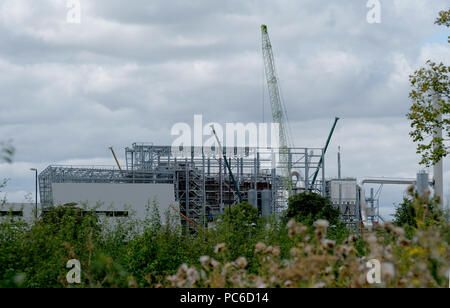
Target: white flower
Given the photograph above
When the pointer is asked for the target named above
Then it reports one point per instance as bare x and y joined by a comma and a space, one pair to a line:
321, 223
204, 260
241, 262
388, 270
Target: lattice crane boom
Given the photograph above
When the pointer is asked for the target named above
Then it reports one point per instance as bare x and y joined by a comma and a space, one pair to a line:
278, 112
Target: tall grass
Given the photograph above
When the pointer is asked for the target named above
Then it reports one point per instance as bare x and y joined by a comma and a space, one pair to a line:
243, 250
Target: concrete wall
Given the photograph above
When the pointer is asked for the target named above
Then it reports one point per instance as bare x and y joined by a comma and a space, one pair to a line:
117, 197
25, 211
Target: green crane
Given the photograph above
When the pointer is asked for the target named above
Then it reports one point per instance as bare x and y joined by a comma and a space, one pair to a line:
323, 154
278, 108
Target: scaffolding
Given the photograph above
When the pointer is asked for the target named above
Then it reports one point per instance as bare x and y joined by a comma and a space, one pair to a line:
202, 185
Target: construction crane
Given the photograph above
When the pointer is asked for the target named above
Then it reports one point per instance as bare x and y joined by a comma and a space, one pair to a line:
279, 114
323, 153
236, 186
278, 110
115, 157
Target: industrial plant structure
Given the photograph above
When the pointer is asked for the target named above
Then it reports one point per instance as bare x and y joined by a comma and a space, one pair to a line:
201, 184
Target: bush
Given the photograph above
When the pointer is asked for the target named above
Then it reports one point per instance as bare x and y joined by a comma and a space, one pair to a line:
243, 250
309, 207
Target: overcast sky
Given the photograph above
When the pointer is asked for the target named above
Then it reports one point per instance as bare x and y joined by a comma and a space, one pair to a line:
132, 69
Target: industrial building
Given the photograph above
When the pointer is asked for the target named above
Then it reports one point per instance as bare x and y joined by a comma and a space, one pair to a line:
200, 183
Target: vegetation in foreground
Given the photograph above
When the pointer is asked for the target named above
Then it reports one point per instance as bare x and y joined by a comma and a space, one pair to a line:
243, 250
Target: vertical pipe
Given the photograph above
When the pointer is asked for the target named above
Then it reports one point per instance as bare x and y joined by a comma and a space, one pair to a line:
254, 173
220, 186
187, 189
274, 190
242, 167
422, 182
339, 177
323, 173
237, 169
36, 193
132, 164
306, 169
372, 203
203, 191
289, 172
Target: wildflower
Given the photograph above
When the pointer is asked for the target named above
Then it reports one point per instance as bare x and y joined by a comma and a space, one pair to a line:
241, 262
204, 260
215, 263
276, 251
260, 283
183, 268
388, 270
398, 231
293, 252
259, 247
219, 248
227, 266
328, 243
410, 190
132, 283
371, 239
402, 241
417, 251
192, 275
300, 229
319, 285
389, 226
321, 223
291, 223
288, 283
352, 238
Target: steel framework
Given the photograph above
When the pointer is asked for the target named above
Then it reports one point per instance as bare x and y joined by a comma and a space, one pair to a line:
201, 182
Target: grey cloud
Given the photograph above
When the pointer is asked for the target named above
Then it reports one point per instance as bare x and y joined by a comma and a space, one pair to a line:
131, 70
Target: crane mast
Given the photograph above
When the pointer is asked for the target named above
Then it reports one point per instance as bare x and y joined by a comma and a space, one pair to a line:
278, 113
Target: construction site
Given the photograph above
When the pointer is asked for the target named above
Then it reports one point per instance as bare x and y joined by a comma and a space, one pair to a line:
205, 185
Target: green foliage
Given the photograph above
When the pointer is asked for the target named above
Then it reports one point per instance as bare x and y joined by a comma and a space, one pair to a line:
125, 252
429, 84
238, 228
240, 216
6, 151
308, 207
444, 19
418, 212
405, 215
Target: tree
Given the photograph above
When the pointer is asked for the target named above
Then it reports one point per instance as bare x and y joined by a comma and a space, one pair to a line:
405, 214
242, 216
6, 154
6, 151
309, 207
238, 228
416, 212
430, 96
